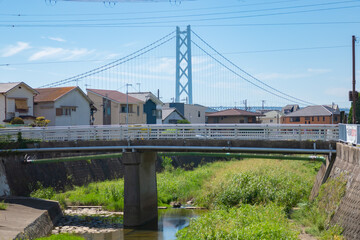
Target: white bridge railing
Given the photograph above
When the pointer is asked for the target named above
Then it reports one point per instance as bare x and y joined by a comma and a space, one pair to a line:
184, 131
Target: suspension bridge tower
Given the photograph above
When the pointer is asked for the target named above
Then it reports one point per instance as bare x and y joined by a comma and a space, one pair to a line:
183, 65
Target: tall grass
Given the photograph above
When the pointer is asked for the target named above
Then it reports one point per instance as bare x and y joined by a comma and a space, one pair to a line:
62, 236
316, 215
245, 222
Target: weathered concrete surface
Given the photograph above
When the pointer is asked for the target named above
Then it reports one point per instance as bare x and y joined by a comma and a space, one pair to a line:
140, 191
28, 218
348, 213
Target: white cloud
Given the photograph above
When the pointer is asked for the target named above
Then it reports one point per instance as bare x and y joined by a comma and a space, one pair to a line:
337, 92
59, 53
319, 70
57, 39
280, 76
15, 49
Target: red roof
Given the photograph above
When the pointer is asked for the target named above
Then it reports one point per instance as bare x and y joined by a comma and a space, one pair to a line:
51, 94
114, 95
232, 112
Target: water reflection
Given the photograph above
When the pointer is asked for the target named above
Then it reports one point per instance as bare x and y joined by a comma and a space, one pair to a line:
170, 221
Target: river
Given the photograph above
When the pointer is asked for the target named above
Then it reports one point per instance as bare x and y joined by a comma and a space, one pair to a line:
169, 222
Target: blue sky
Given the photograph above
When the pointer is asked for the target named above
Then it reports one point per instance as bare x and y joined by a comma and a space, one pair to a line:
299, 47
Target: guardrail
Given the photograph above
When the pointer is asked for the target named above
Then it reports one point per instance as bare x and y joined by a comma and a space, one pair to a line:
183, 131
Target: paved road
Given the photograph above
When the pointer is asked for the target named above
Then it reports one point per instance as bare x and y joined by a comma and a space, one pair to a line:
26, 215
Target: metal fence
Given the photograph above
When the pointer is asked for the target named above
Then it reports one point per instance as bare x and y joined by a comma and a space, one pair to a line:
184, 131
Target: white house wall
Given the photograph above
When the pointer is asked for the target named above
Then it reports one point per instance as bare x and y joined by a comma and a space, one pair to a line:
46, 110
2, 108
79, 117
191, 113
22, 92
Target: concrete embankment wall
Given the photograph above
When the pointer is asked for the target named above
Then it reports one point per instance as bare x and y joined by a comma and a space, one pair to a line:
19, 179
348, 213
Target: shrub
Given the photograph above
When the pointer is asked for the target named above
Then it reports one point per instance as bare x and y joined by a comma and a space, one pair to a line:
63, 236
17, 120
3, 206
40, 122
317, 214
246, 222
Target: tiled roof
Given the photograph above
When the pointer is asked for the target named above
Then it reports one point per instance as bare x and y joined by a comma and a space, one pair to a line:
114, 95
316, 110
5, 87
232, 112
51, 94
167, 111
144, 96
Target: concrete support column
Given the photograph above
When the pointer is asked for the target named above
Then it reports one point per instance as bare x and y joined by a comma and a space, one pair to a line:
140, 192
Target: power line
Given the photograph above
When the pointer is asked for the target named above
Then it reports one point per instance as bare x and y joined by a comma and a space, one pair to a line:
226, 53
248, 74
196, 15
113, 64
184, 16
145, 12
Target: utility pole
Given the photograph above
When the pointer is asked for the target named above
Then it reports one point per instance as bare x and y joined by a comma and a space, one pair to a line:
138, 85
263, 103
127, 103
245, 103
354, 97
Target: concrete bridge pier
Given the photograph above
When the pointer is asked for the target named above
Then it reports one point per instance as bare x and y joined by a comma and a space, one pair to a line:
140, 191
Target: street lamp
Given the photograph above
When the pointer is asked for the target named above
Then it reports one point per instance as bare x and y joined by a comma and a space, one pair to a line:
127, 103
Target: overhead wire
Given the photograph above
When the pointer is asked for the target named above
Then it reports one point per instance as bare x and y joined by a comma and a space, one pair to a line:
248, 74
117, 62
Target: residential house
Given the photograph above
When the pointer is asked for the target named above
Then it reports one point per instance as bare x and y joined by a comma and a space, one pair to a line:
16, 100
290, 108
233, 116
318, 114
194, 113
152, 106
63, 106
171, 116
271, 117
111, 107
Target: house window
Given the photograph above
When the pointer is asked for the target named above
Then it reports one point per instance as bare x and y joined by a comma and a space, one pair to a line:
318, 118
307, 118
65, 111
159, 114
198, 113
312, 118
336, 118
138, 110
323, 119
153, 112
123, 108
21, 105
295, 119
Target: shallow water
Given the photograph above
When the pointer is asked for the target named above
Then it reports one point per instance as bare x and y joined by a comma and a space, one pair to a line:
169, 222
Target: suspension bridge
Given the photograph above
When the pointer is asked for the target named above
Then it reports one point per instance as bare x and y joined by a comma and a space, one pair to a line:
195, 73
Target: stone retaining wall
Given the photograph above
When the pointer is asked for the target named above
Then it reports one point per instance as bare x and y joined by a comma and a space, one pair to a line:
348, 213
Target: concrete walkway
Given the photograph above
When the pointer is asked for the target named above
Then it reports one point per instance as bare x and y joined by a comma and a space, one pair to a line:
27, 218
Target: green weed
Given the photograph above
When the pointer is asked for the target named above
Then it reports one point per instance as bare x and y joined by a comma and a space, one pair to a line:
3, 206
245, 222
62, 236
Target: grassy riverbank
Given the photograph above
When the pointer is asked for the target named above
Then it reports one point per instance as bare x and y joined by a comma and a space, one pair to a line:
247, 199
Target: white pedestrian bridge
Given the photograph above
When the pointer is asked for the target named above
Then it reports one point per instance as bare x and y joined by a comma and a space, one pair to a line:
297, 132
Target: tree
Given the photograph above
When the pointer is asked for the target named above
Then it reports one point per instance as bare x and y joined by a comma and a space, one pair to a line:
357, 111
183, 121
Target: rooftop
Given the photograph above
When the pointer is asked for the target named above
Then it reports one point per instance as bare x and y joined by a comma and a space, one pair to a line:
232, 112
51, 94
316, 110
115, 96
